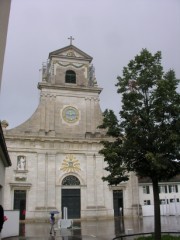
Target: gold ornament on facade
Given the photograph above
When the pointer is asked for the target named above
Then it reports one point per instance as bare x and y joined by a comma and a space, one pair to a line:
70, 164
70, 54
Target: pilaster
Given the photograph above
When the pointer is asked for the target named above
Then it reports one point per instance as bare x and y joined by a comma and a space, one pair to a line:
91, 181
51, 181
88, 114
41, 189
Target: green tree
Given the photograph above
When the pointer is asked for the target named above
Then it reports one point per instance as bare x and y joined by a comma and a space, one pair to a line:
146, 138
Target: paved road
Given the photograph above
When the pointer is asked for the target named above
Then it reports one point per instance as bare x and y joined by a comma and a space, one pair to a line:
92, 230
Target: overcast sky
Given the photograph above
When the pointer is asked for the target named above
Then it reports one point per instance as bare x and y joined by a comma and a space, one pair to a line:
111, 31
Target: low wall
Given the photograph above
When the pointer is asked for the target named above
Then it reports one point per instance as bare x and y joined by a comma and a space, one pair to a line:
11, 226
166, 209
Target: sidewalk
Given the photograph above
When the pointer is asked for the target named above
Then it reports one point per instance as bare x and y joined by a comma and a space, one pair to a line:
101, 230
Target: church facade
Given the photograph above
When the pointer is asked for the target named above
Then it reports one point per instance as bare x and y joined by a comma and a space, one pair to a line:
55, 153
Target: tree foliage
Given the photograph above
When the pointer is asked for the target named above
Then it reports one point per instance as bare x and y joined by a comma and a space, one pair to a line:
146, 139
148, 134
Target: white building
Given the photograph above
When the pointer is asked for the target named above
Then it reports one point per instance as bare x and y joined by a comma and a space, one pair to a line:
5, 6
4, 157
55, 153
169, 193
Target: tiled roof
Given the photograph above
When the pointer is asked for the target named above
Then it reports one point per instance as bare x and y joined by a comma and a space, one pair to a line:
148, 180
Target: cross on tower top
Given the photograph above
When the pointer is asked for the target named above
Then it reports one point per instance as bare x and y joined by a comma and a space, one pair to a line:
71, 39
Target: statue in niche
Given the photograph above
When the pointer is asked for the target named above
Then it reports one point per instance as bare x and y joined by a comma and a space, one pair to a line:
21, 163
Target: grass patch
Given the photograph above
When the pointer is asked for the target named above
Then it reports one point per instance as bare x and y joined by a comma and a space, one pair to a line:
163, 237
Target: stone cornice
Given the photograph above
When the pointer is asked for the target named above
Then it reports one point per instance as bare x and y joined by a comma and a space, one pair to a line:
45, 85
20, 185
53, 139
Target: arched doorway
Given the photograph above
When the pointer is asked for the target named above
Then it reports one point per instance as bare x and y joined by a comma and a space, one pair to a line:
71, 197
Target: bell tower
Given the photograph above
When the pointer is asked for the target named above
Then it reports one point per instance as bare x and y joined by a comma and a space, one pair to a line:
69, 86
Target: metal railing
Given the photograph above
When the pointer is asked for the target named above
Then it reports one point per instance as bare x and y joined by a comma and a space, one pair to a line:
140, 234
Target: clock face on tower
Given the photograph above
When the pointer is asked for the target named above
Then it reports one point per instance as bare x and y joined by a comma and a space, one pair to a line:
70, 114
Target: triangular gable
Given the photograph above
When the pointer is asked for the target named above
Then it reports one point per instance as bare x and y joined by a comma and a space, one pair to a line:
70, 52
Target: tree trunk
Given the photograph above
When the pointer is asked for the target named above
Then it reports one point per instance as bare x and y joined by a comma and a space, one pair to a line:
157, 214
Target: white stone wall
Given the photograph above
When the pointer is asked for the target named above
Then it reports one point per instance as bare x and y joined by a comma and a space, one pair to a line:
44, 180
11, 226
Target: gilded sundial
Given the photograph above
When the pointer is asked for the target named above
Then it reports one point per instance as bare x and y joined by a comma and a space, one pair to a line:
70, 164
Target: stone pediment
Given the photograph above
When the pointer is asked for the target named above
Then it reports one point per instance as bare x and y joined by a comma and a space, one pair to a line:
70, 52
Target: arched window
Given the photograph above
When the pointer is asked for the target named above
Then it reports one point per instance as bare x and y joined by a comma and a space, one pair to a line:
70, 181
70, 76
